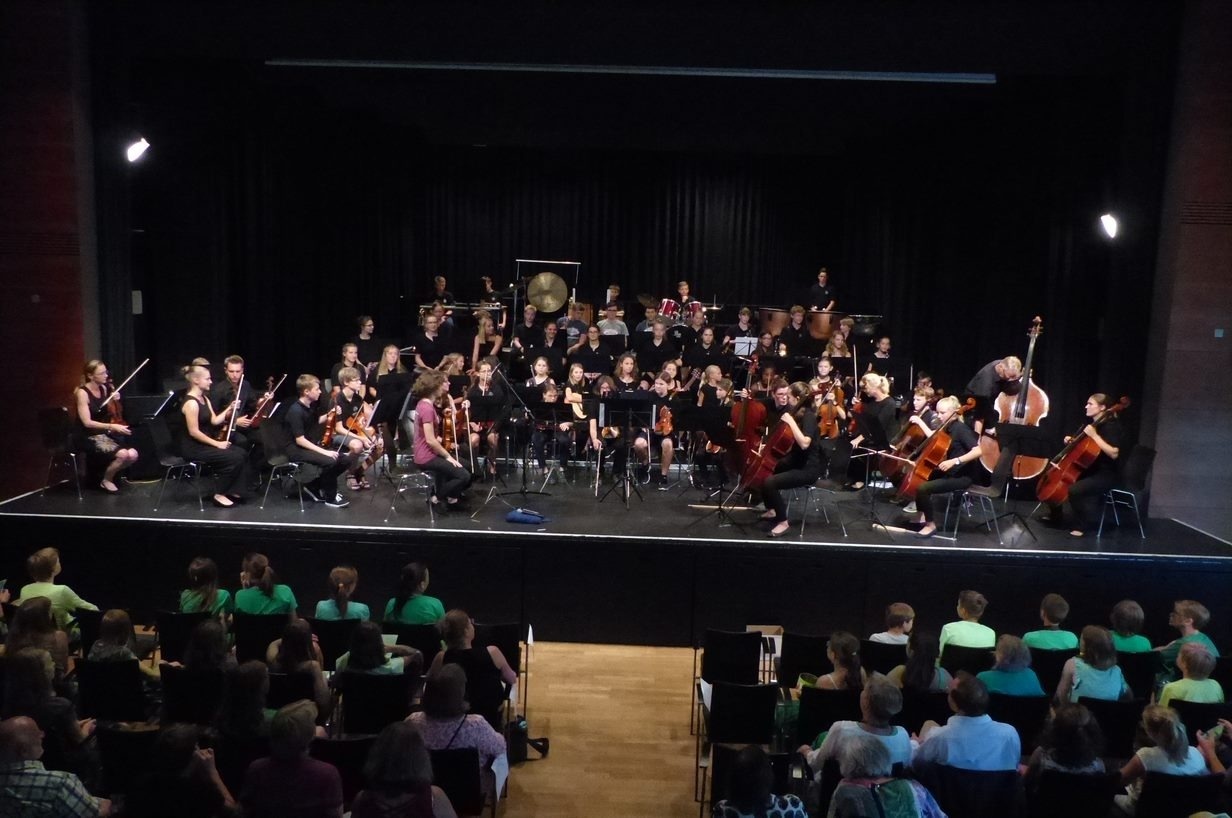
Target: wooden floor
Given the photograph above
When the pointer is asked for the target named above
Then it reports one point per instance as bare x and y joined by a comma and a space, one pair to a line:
618, 719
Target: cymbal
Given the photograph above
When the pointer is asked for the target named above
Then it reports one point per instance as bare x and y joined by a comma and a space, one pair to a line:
647, 300
547, 291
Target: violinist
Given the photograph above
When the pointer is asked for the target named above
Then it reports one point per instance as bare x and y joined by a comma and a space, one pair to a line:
352, 431
540, 373
227, 461
302, 421
454, 367
431, 455
711, 446
708, 392
488, 340
97, 432
802, 466
236, 391
660, 436
672, 374
955, 471
832, 417
488, 410
821, 295
350, 358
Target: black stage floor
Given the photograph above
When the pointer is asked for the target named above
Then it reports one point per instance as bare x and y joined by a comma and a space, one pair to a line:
596, 571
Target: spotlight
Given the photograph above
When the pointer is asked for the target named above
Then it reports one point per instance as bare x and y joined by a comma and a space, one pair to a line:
1110, 225
136, 149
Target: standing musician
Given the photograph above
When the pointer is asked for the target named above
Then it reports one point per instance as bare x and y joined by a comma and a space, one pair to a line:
366, 343
956, 470
201, 422
302, 422
661, 435
658, 350
348, 399
821, 295
489, 406
877, 407
993, 378
528, 334
592, 352
430, 347
430, 453
488, 340
573, 325
96, 434
440, 291
552, 347
802, 466
390, 364
795, 339
350, 358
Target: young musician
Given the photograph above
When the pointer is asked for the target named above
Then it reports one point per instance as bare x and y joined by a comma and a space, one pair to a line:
837, 346
561, 432
488, 340
821, 295
528, 334
922, 413
802, 466
488, 410
743, 328
614, 331
367, 345
765, 349
430, 453
552, 347
540, 373
709, 452
661, 435
625, 375
348, 399
672, 375
440, 291
390, 364
201, 423
350, 357
795, 338
592, 352
955, 472
573, 325
707, 393
231, 393
96, 435
704, 353
429, 345
682, 293
685, 336
657, 351
302, 422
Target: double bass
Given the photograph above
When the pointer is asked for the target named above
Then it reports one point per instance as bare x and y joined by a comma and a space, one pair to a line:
931, 454
1027, 408
1067, 466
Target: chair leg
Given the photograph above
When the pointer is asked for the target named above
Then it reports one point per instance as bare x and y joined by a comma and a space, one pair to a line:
1103, 512
197, 484
1133, 498
268, 483
72, 458
162, 486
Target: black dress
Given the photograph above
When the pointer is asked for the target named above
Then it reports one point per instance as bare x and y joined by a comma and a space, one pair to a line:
485, 691
230, 465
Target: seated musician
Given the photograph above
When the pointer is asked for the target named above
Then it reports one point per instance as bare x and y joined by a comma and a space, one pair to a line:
766, 376
592, 352
573, 325
832, 417
672, 373
614, 331
625, 376
390, 365
582, 428
802, 465
686, 335
795, 336
837, 346
444, 320
430, 346
682, 293
352, 430
102, 440
657, 351
552, 347
488, 410
577, 388
302, 421
350, 357
710, 453
923, 415
879, 412
540, 372
644, 327
487, 341
743, 328
432, 390
527, 335
821, 294
661, 435
201, 444
707, 392
952, 474
227, 393
1086, 494
454, 367
704, 353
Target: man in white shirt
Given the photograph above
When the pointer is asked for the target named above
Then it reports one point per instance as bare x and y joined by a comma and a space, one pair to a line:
970, 739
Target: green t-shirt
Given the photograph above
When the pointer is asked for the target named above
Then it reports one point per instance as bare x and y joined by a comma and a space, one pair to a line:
1130, 644
1206, 691
63, 600
192, 602
1168, 654
254, 601
328, 609
418, 610
1017, 683
393, 665
1049, 639
967, 635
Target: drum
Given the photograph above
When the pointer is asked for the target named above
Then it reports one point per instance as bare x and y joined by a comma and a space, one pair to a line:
693, 309
669, 309
822, 324
772, 320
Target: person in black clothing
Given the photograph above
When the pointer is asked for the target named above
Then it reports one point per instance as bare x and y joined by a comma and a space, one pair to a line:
367, 345
592, 352
955, 471
302, 424
878, 422
821, 295
350, 357
686, 335
993, 378
440, 291
802, 466
553, 347
795, 336
348, 398
487, 670
527, 335
704, 353
200, 444
657, 351
489, 408
430, 345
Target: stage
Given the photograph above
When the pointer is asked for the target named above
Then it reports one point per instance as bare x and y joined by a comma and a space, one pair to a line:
657, 573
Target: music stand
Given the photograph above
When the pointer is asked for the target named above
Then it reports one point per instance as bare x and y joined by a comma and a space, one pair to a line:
636, 413
875, 435
1027, 441
524, 489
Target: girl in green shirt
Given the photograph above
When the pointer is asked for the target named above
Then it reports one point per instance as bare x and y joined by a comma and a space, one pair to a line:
203, 593
261, 593
411, 606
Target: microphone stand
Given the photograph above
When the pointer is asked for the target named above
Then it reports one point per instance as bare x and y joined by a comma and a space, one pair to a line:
524, 490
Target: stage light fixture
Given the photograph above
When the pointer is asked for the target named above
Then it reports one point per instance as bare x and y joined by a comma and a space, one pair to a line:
136, 149
1110, 225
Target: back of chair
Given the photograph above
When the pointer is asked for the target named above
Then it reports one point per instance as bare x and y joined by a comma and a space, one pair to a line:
110, 691
55, 429
880, 657
274, 441
285, 688
232, 757
801, 653
1140, 670
190, 696
166, 448
1118, 721
1026, 714
347, 754
457, 773
1073, 795
1178, 796
974, 793
424, 638
1199, 716
919, 707
1222, 673
821, 708
174, 631
506, 636
1048, 664
254, 632
88, 624
973, 660
333, 637
371, 701
742, 714
731, 656
124, 752
1137, 468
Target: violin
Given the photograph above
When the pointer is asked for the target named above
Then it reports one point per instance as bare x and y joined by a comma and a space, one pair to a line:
327, 437
115, 410
1077, 456
265, 407
449, 436
663, 422
931, 454
827, 412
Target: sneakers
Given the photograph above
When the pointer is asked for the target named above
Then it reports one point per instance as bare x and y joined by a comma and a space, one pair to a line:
338, 502
911, 508
310, 494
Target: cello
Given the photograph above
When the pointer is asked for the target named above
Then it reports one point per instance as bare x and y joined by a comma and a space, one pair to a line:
1027, 408
1067, 466
930, 455
762, 461
747, 418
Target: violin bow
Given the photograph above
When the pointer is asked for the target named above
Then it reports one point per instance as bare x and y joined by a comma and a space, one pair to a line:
123, 384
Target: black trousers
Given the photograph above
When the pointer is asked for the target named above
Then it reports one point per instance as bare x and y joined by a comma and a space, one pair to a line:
230, 465
941, 485
330, 468
1086, 496
451, 480
774, 485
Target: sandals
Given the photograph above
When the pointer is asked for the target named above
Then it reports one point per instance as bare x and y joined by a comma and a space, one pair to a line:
109, 487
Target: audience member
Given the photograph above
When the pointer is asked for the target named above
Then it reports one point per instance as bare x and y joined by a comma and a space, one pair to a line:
116, 641
28, 788
289, 783
243, 714
899, 617
749, 786
66, 739
33, 627
1011, 674
486, 668
1196, 685
181, 780
1093, 673
43, 566
399, 777
445, 723
1188, 617
1053, 612
410, 605
207, 648
970, 739
261, 593
921, 673
880, 701
843, 651
203, 593
967, 632
868, 788
342, 582
1126, 618
295, 652
1071, 743
369, 654
1171, 754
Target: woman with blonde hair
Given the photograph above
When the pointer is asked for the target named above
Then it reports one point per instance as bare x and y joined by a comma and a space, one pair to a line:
1171, 754
488, 340
103, 441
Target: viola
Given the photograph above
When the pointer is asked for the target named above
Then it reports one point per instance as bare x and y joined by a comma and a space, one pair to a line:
1067, 466
1027, 408
449, 437
327, 437
931, 454
827, 412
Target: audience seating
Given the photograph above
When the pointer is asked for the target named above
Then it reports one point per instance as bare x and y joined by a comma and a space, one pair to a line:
333, 637
921, 707
424, 638
232, 757
1070, 795
721, 758
88, 625
285, 688
738, 714
56, 431
254, 632
347, 754
974, 793
801, 653
726, 656
1048, 665
457, 773
1140, 670
1118, 721
1223, 674
174, 630
1027, 715
1199, 716
172, 463
124, 752
506, 637
190, 697
972, 660
881, 658
821, 708
110, 691
371, 701
1179, 796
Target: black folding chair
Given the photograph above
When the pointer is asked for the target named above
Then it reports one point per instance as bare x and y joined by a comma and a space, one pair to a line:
1073, 795
1118, 721
801, 653
285, 688
1140, 670
880, 657
726, 656
919, 707
424, 638
821, 708
974, 793
174, 631
1179, 796
254, 633
508, 638
1199, 716
347, 754
973, 660
1026, 714
190, 696
738, 714
457, 773
125, 753
56, 431
333, 637
1048, 665
111, 691
371, 701
88, 625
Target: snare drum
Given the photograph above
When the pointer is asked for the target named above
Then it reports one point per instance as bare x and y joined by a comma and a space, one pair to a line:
669, 309
693, 309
